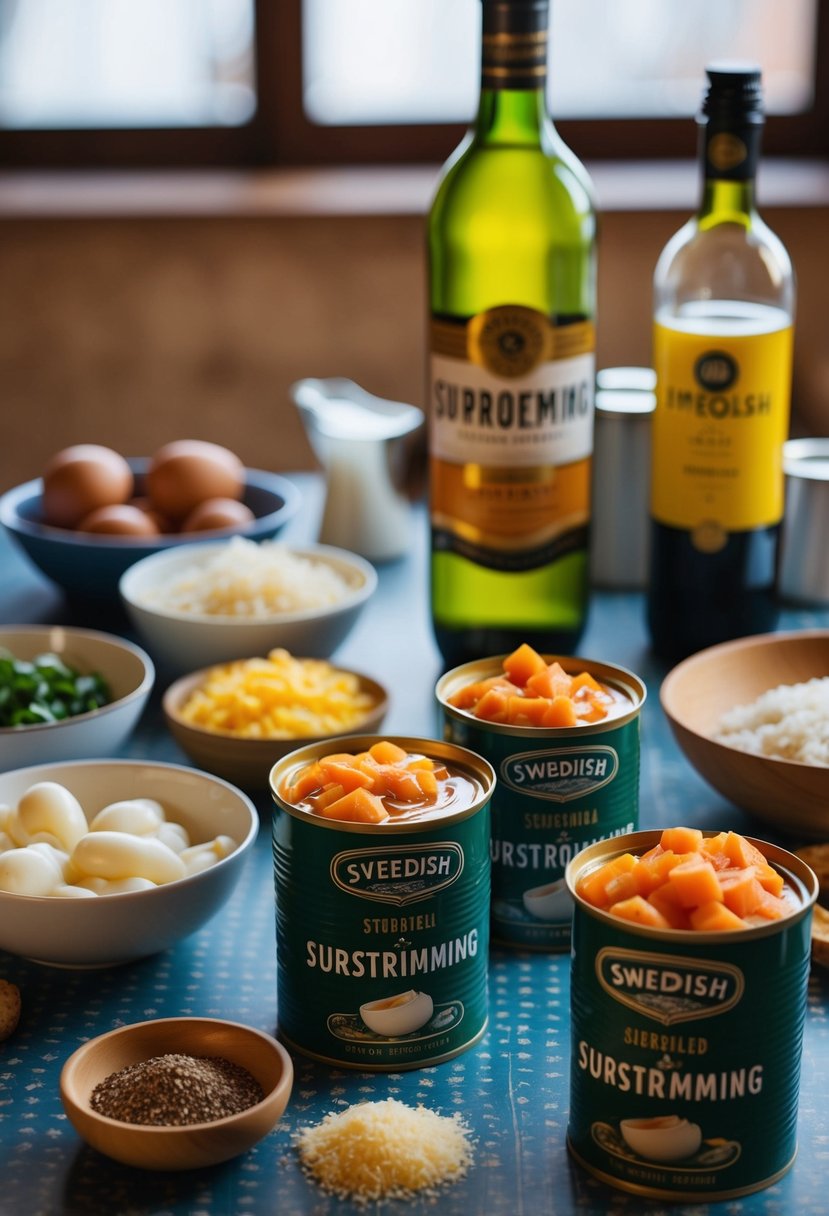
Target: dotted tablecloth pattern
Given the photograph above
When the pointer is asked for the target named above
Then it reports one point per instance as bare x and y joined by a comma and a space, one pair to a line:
512, 1088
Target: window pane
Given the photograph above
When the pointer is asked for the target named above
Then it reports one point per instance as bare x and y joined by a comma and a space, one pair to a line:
392, 61
125, 63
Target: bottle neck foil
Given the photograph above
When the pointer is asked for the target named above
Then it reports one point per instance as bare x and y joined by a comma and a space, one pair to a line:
514, 44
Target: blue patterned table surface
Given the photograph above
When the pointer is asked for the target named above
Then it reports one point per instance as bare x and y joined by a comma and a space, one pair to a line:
512, 1088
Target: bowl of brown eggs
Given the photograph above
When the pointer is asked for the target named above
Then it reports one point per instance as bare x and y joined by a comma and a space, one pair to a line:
94, 512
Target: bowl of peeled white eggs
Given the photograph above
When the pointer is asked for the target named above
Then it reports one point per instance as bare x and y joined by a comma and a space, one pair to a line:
105, 861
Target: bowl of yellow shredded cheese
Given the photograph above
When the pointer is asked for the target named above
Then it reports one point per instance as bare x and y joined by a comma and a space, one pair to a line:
237, 719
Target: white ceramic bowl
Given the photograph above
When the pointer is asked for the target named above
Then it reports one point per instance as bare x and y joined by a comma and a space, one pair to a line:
184, 641
111, 929
127, 669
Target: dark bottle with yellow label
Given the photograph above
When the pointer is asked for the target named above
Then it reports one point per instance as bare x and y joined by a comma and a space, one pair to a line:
722, 349
512, 296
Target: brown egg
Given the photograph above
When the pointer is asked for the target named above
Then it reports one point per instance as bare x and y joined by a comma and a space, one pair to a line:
187, 472
217, 513
120, 519
79, 479
161, 522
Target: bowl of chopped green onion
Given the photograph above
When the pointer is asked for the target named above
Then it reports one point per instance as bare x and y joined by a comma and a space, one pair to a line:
67, 694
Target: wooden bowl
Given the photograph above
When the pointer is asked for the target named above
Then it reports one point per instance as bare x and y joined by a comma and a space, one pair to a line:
789, 794
176, 1148
248, 762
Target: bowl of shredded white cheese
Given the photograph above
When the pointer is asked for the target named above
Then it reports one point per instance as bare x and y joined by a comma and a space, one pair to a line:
203, 604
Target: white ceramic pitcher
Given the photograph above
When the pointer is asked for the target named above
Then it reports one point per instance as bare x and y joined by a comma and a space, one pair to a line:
368, 448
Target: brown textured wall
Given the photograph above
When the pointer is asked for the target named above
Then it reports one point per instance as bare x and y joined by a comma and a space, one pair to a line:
131, 333
134, 332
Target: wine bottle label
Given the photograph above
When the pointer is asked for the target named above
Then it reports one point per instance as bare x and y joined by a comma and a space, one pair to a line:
511, 433
509, 388
721, 419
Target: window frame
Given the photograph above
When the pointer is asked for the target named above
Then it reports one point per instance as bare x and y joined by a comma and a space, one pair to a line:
279, 135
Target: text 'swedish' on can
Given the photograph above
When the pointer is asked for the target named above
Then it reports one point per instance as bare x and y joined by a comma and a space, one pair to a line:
558, 790
685, 1055
383, 929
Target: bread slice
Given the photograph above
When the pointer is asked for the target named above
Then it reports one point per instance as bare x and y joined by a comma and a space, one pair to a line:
816, 857
9, 1008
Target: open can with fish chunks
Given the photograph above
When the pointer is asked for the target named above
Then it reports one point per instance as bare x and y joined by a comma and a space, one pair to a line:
686, 1044
383, 927
560, 789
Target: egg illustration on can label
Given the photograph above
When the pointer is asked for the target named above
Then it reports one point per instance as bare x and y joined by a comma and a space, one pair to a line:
400, 1014
382, 924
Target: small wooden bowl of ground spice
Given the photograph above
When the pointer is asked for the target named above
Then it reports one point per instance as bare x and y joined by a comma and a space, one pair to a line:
177, 1093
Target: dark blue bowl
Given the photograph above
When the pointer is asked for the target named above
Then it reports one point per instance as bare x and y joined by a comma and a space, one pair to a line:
88, 566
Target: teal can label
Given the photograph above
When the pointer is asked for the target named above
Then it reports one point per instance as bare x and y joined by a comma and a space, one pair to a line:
685, 1055
383, 929
558, 791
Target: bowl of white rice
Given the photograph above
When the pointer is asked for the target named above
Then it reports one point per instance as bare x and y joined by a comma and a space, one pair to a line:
752, 717
203, 604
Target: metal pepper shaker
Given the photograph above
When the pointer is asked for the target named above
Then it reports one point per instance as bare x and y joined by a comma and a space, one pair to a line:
620, 530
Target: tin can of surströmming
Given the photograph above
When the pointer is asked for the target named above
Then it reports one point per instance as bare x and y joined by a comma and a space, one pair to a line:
559, 789
685, 1056
383, 929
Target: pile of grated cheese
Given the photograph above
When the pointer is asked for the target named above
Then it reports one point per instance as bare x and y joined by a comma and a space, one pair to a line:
248, 579
385, 1150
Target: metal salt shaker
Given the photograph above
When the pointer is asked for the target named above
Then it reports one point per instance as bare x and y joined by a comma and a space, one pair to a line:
804, 551
620, 527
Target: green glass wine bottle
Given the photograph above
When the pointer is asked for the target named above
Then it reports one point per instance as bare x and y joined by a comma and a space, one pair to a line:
512, 282
724, 298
